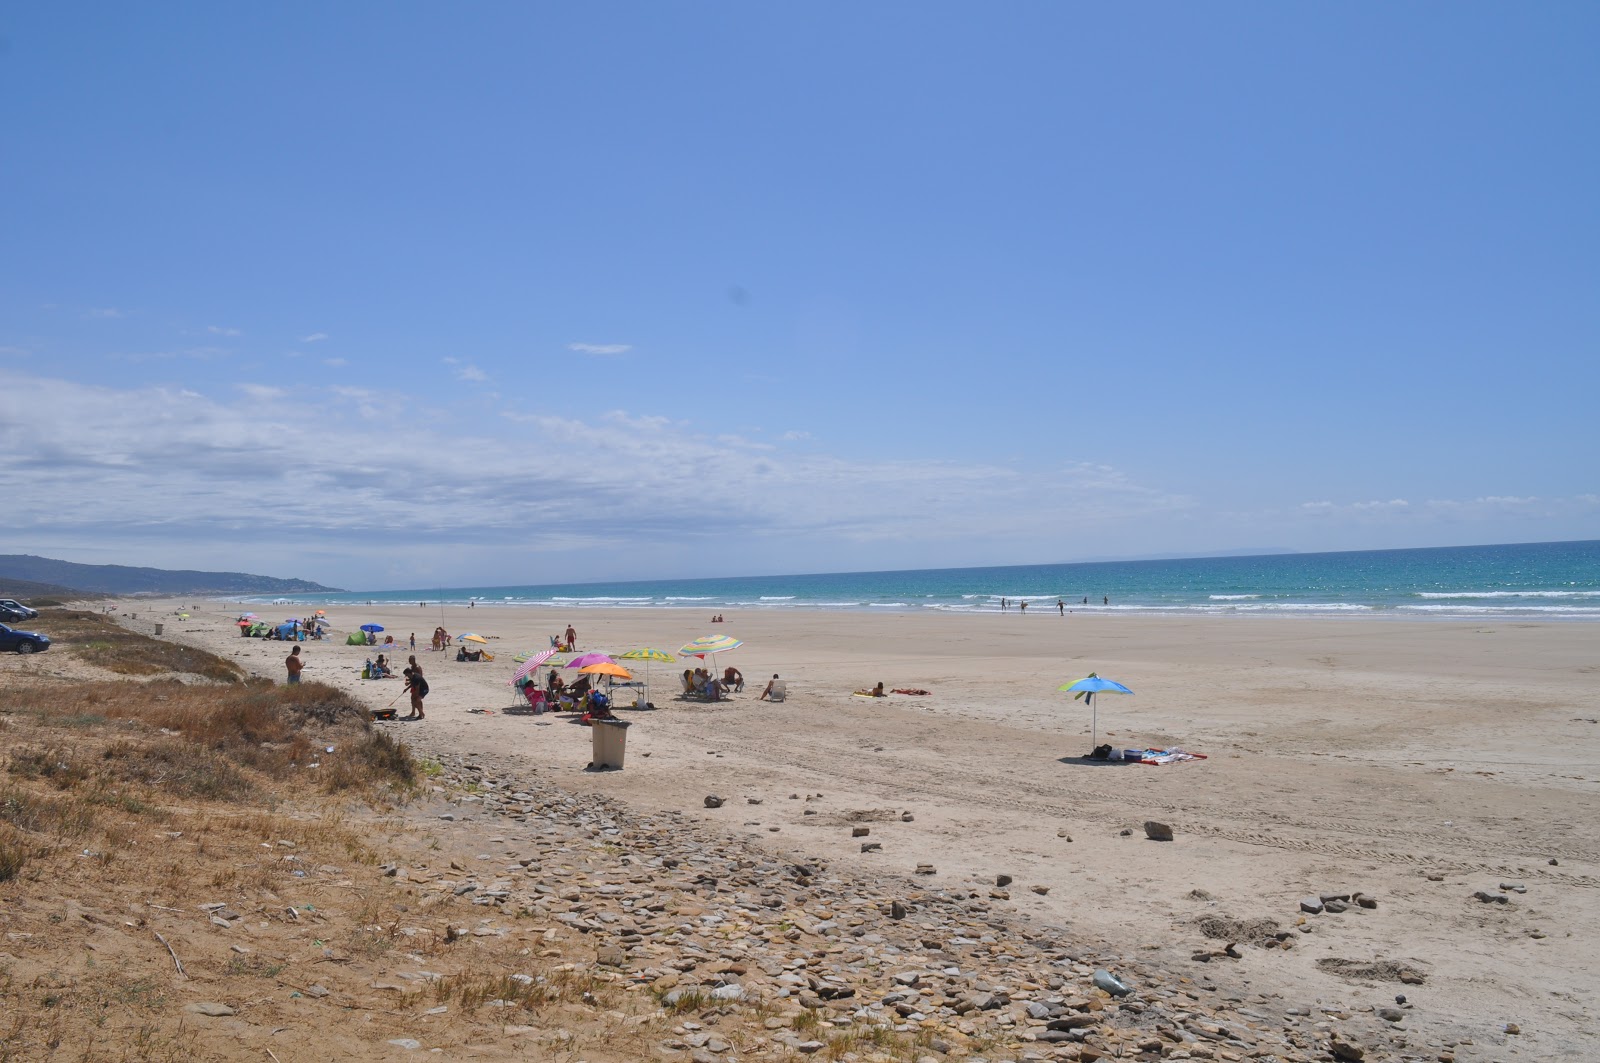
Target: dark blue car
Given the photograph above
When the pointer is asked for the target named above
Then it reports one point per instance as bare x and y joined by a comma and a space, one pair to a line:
22, 641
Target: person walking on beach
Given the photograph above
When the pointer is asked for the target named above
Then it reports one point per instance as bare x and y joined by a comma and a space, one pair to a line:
1061, 607
572, 638
294, 662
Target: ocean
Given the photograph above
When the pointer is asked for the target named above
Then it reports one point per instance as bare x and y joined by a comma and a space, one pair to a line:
1531, 581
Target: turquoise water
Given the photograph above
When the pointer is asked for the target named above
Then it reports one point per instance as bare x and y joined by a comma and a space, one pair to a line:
1535, 581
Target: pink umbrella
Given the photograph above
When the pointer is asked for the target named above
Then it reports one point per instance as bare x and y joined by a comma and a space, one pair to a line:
587, 659
530, 664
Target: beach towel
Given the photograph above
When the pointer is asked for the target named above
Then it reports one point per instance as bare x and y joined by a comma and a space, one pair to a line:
1159, 757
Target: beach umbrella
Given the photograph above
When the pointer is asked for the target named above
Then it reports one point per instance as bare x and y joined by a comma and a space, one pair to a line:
530, 664
473, 638
610, 668
710, 644
247, 616
372, 627
1087, 688
646, 654
586, 659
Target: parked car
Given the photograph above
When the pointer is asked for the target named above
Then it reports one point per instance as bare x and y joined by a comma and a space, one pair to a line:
11, 608
22, 641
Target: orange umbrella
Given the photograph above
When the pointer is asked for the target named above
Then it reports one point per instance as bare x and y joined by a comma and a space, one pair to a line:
607, 668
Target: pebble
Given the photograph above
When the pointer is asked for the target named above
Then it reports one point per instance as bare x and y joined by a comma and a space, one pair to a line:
665, 902
215, 1011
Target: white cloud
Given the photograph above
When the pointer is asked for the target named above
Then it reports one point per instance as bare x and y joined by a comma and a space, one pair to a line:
794, 436
472, 373
335, 363
315, 337
197, 467
221, 331
600, 348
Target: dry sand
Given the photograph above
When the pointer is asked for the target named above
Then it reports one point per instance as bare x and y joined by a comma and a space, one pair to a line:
1419, 762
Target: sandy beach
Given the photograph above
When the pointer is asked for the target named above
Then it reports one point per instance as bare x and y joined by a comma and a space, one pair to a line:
1417, 762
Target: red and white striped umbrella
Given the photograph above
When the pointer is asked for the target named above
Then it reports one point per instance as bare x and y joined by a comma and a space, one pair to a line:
531, 664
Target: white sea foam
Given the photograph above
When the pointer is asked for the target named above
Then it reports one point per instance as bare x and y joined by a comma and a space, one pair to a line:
1501, 610
602, 598
889, 605
1233, 597
778, 597
1306, 607
706, 598
1508, 594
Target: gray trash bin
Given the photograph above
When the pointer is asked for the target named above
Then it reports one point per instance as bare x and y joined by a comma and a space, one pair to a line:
610, 742
158, 629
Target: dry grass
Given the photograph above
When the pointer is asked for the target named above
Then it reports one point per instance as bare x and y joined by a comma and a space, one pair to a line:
101, 641
129, 810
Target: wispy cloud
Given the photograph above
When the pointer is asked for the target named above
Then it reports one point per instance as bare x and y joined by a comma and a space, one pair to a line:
219, 330
472, 373
600, 348
315, 337
335, 363
182, 462
1483, 507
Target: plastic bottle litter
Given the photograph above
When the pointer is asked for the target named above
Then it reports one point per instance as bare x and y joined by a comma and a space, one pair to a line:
1111, 983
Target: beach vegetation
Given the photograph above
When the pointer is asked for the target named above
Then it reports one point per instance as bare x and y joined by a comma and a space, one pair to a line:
101, 641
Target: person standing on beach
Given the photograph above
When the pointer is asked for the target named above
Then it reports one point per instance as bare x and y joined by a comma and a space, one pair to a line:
418, 686
294, 662
1022, 607
1061, 607
413, 642
572, 638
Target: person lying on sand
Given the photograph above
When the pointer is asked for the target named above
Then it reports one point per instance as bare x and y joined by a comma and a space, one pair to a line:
875, 692
910, 690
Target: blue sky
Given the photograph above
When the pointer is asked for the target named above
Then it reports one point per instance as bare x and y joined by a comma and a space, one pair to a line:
406, 294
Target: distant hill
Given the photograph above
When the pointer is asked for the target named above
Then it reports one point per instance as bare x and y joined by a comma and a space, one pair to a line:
25, 590
68, 576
